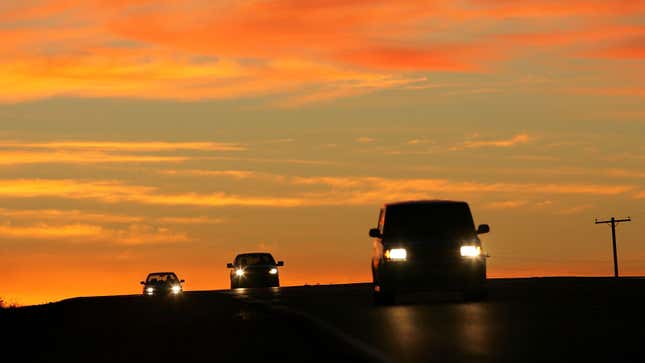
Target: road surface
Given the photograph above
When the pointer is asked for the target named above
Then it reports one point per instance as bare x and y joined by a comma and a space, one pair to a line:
524, 320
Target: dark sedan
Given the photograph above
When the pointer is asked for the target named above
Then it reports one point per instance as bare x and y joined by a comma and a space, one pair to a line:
257, 269
162, 284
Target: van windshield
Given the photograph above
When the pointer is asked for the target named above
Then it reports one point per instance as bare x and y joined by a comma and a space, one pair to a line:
438, 221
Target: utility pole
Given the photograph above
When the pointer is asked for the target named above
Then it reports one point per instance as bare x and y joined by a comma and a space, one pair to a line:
613, 221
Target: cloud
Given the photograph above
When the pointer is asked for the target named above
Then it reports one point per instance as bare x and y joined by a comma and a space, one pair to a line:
507, 204
82, 157
503, 143
95, 152
76, 216
140, 234
365, 140
575, 209
135, 234
125, 145
191, 220
418, 141
297, 52
237, 174
117, 192
369, 190
609, 91
82, 217
44, 231
340, 191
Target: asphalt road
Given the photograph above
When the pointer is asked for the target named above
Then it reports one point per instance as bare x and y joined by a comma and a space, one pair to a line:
524, 320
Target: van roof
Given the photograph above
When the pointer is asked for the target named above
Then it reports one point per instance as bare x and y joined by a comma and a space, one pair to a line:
433, 201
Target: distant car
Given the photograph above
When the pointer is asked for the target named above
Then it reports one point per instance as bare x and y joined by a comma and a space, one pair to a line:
162, 284
427, 245
257, 269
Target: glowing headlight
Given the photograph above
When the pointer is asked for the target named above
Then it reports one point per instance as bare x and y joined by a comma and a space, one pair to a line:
176, 289
150, 290
273, 271
396, 254
239, 272
470, 251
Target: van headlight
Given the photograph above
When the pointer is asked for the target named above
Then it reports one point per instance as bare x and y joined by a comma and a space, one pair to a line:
239, 272
470, 251
150, 290
396, 254
273, 271
176, 289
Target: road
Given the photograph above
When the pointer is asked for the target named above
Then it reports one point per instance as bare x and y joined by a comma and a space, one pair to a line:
524, 320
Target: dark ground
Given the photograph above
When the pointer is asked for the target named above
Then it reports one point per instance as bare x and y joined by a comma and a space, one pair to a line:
524, 320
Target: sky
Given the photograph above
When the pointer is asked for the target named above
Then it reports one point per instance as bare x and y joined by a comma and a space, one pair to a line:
140, 135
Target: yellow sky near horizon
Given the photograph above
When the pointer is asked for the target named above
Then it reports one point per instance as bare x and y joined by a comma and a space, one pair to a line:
139, 135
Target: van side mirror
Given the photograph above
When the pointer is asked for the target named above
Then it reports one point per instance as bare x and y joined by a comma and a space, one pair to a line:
142, 282
483, 228
375, 233
182, 281
280, 263
229, 265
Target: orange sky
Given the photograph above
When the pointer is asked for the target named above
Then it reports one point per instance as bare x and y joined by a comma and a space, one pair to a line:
140, 135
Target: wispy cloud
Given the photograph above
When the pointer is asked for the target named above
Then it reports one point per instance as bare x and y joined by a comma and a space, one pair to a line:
500, 143
192, 220
44, 231
507, 204
367, 190
304, 191
68, 216
96, 152
135, 234
238, 174
125, 145
82, 157
575, 209
418, 141
309, 51
88, 217
114, 191
365, 140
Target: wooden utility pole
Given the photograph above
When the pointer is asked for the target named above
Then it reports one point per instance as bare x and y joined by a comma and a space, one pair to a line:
613, 221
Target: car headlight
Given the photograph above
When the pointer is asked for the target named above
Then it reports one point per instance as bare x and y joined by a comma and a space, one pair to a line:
470, 251
176, 289
396, 254
273, 271
239, 272
150, 290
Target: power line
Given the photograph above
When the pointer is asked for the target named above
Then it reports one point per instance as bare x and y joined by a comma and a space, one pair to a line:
613, 221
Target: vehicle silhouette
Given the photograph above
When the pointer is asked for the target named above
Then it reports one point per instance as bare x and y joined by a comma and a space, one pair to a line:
427, 245
162, 284
257, 269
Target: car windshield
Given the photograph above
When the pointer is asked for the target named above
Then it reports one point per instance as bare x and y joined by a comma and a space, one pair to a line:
254, 259
440, 221
160, 278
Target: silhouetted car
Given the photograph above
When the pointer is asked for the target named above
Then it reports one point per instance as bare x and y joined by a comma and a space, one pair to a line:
162, 284
427, 245
257, 269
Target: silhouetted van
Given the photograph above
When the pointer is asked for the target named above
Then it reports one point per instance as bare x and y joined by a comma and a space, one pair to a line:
427, 245
162, 284
257, 269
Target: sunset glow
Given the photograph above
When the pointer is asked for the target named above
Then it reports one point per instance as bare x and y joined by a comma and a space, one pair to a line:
170, 135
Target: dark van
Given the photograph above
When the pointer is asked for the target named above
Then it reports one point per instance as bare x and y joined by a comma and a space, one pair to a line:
427, 245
